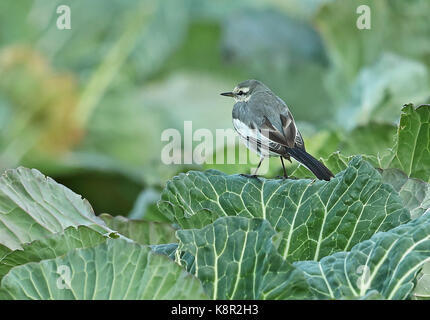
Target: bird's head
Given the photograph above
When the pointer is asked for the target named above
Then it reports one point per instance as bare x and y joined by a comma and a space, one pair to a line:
244, 90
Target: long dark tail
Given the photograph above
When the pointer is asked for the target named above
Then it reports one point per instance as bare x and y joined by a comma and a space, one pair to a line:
317, 168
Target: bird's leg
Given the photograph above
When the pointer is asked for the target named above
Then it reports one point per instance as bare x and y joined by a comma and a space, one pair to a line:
258, 167
255, 173
283, 166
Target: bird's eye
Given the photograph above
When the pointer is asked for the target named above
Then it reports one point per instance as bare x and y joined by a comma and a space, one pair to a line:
240, 93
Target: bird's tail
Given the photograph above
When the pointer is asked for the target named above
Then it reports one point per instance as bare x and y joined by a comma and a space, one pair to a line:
317, 168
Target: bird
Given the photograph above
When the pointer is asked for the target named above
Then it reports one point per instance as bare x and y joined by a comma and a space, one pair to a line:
266, 126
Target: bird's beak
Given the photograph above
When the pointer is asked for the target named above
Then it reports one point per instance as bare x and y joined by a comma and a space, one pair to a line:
227, 94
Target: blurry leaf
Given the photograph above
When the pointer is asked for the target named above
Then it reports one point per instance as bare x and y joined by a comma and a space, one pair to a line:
165, 32
52, 246
316, 218
33, 206
190, 96
244, 161
106, 190
141, 231
236, 259
209, 10
411, 151
125, 135
10, 13
146, 208
396, 26
77, 162
42, 103
372, 139
113, 270
272, 33
200, 53
305, 9
323, 143
111, 64
5, 116
387, 262
82, 48
415, 193
381, 88
107, 57
286, 54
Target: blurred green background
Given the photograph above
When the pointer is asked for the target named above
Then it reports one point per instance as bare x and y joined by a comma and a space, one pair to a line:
87, 106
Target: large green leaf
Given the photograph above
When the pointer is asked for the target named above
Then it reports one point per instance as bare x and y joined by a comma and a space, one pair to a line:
33, 206
316, 218
116, 269
411, 152
51, 247
141, 231
387, 263
235, 258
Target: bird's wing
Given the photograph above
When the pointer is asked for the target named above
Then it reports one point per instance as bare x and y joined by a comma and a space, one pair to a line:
275, 120
285, 136
254, 137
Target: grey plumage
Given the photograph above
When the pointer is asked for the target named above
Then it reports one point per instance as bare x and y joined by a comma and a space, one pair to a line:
266, 126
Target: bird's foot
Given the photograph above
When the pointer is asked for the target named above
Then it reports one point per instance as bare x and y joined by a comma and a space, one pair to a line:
287, 177
254, 176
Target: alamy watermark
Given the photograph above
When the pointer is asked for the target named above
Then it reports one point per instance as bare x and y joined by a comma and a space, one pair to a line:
204, 146
364, 19
64, 20
364, 278
64, 277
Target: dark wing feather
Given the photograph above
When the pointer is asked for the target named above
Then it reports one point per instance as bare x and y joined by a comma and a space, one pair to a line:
289, 131
271, 117
268, 130
289, 128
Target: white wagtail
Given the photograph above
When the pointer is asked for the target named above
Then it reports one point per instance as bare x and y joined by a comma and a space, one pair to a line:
266, 126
